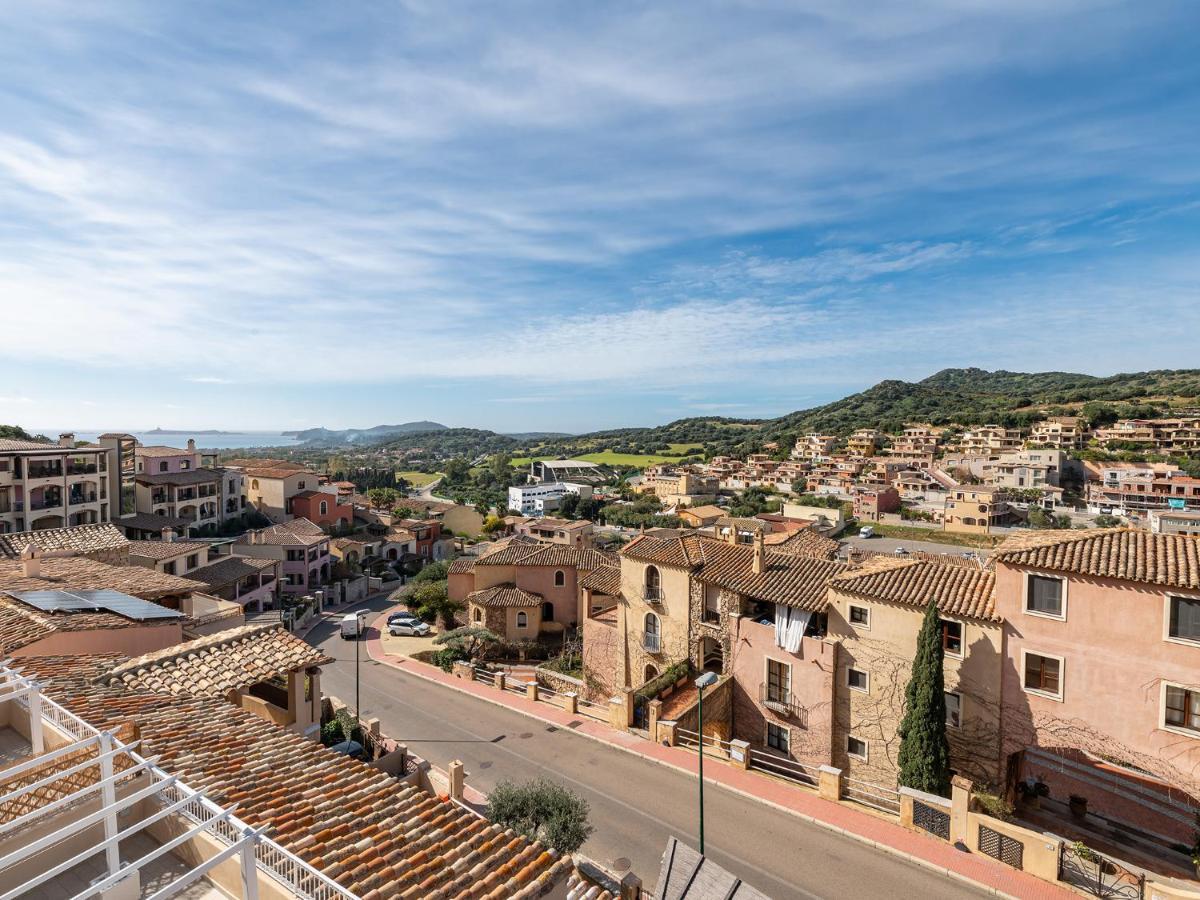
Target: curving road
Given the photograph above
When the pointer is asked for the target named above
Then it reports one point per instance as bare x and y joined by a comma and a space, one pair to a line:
635, 803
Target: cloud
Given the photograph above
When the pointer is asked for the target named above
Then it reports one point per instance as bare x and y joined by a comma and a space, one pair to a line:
209, 379
15, 401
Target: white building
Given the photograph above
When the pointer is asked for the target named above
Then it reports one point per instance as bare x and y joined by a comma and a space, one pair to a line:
539, 499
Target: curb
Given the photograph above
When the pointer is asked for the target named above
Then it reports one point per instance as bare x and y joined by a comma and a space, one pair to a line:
837, 829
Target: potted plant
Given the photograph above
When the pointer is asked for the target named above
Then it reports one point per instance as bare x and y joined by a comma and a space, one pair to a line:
1196, 846
1084, 852
1078, 806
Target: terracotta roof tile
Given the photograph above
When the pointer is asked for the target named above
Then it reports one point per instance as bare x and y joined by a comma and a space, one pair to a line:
65, 573
502, 595
959, 591
603, 580
787, 578
1122, 553
807, 542
160, 550
462, 565
78, 538
230, 570
150, 522
194, 476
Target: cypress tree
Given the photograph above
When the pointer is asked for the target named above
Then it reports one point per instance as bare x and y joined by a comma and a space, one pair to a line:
924, 753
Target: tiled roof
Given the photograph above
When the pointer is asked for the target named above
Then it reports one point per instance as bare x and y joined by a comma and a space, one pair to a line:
212, 666
808, 542
1123, 553
161, 450
958, 591
287, 534
743, 523
677, 552
150, 522
274, 473
229, 570
160, 550
16, 444
504, 595
193, 476
557, 555
603, 580
65, 573
462, 565
374, 835
22, 624
302, 526
79, 538
787, 578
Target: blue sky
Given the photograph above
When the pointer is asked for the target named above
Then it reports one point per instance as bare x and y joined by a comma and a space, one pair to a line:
571, 216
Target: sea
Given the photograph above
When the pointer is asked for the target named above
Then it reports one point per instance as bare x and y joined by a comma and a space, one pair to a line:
225, 440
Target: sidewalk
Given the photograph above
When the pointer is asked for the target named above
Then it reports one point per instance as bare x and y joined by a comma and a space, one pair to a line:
862, 826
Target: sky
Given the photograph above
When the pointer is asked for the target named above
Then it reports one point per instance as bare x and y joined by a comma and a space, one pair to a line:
532, 216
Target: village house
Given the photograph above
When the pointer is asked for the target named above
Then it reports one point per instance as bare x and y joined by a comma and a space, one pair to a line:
249, 581
1125, 489
46, 485
1177, 435
573, 533
270, 485
1058, 432
992, 439
170, 556
103, 543
864, 442
977, 509
322, 507
917, 441
673, 485
301, 548
701, 516
814, 446
871, 503
1101, 671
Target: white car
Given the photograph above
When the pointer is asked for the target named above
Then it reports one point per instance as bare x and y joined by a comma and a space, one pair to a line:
402, 627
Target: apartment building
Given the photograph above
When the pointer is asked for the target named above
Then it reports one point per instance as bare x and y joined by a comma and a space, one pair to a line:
169, 556
674, 485
1101, 671
173, 483
875, 615
814, 446
1172, 522
992, 439
864, 442
46, 485
1178, 435
548, 530
270, 485
539, 499
870, 503
1058, 432
977, 509
301, 548
1126, 489
916, 441
1027, 469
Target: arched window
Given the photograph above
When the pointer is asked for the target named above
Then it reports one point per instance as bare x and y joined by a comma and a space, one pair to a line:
478, 614
547, 611
651, 673
254, 484
324, 508
652, 626
522, 620
560, 578
653, 583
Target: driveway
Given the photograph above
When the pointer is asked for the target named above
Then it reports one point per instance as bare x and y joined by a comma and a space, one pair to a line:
635, 802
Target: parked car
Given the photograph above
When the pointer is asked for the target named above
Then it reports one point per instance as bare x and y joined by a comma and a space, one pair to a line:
867, 532
352, 749
354, 624
403, 616
413, 627
900, 551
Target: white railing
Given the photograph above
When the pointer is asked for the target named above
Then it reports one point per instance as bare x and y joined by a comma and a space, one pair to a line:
876, 796
685, 738
297, 876
784, 767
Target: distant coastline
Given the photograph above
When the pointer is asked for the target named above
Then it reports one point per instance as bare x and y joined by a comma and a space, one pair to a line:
211, 439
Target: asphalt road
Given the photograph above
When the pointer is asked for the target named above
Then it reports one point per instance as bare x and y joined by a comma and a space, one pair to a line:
889, 545
635, 804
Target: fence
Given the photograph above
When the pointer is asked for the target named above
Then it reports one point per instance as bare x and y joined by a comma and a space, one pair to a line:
929, 818
713, 746
999, 846
876, 796
784, 767
1098, 875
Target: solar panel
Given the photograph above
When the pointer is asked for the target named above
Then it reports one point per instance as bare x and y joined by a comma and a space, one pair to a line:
96, 601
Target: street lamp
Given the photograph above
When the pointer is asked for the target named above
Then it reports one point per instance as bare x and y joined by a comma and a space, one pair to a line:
708, 679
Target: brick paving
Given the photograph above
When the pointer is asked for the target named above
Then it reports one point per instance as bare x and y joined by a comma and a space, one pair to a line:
874, 830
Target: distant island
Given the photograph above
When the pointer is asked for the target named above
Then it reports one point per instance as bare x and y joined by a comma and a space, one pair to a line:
190, 431
351, 435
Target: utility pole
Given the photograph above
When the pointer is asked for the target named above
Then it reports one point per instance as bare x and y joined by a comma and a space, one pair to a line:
708, 679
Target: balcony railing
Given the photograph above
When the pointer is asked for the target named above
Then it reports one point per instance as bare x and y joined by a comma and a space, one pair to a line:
76, 499
782, 703
51, 503
652, 593
44, 472
87, 469
652, 643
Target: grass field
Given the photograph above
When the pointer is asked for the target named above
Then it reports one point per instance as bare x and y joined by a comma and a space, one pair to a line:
418, 479
608, 458
934, 535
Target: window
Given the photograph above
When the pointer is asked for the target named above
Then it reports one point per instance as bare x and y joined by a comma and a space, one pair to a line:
858, 680
547, 611
162, 466
299, 485
522, 620
1043, 674
856, 747
184, 465
778, 738
1044, 596
1183, 618
324, 508
478, 614
652, 624
953, 710
254, 484
653, 583
779, 681
860, 615
952, 638
169, 568
560, 578
193, 560
1182, 708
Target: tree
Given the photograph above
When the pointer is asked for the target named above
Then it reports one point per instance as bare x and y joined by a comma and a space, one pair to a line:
472, 640
437, 571
457, 471
568, 506
382, 497
1106, 521
924, 758
542, 810
431, 602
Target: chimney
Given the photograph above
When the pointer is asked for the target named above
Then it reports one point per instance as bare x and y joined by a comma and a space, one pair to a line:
66, 439
31, 561
191, 445
168, 534
760, 562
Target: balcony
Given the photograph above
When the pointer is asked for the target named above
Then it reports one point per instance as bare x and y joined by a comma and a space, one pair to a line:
652, 643
652, 594
33, 471
782, 703
77, 499
46, 503
84, 469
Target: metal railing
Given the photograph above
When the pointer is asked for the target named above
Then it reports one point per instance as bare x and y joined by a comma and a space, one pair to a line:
782, 703
652, 643
713, 746
652, 593
784, 767
300, 878
876, 796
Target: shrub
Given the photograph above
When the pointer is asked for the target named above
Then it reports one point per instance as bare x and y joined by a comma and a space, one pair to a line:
331, 733
542, 811
448, 656
993, 805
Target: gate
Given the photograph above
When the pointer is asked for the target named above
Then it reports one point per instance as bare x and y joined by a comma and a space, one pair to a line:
999, 846
1098, 875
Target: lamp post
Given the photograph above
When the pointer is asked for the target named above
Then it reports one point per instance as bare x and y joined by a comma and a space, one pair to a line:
708, 679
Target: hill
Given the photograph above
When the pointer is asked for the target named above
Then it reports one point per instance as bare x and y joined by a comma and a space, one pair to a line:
361, 435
